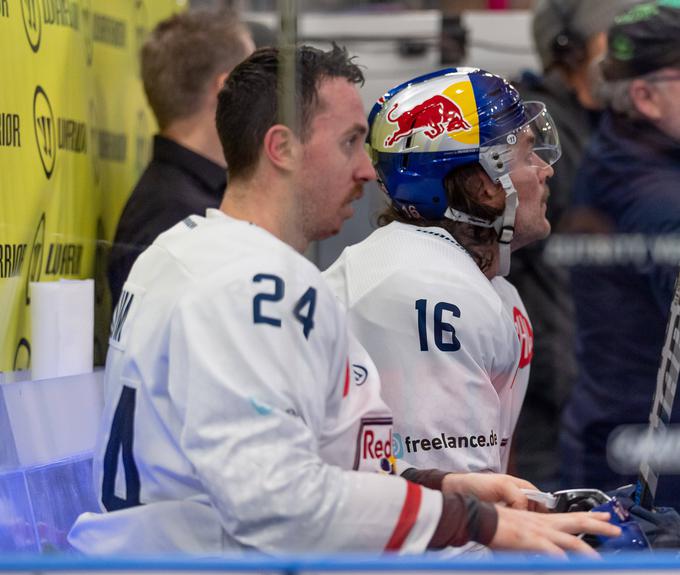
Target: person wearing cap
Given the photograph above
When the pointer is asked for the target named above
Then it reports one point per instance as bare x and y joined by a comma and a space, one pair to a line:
628, 183
570, 38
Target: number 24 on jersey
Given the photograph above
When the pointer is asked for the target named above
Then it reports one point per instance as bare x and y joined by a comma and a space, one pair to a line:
265, 312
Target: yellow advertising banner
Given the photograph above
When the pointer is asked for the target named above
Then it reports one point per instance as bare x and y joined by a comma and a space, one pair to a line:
75, 133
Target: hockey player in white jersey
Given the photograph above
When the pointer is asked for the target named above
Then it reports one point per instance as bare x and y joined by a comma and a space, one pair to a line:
239, 415
464, 162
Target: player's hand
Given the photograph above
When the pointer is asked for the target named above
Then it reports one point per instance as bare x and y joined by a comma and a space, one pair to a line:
549, 532
492, 488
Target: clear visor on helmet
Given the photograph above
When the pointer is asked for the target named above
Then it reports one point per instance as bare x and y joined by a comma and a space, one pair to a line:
534, 144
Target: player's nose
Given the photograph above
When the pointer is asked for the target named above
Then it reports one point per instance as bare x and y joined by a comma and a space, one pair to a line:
547, 172
365, 171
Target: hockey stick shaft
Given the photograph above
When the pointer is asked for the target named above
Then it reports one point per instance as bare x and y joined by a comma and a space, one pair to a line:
664, 396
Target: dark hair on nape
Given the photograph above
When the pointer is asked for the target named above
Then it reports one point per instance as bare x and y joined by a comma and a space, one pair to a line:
248, 104
464, 186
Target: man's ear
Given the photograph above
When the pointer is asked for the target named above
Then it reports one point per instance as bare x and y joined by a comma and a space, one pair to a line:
646, 99
218, 82
282, 147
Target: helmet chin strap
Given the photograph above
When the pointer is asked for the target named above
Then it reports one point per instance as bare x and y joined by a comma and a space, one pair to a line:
506, 227
504, 224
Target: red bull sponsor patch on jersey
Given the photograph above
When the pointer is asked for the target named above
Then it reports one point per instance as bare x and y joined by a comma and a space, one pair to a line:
374, 446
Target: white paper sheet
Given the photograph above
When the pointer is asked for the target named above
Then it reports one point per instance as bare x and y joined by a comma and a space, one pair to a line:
62, 324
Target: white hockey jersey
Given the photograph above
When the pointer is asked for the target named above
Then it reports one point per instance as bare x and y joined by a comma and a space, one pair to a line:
235, 408
445, 341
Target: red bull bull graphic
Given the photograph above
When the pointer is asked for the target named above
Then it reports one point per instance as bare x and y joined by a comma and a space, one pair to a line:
435, 116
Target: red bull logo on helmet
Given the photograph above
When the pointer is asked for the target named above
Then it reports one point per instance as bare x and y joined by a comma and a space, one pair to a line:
434, 116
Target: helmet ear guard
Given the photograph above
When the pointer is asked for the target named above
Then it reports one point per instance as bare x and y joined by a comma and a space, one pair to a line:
414, 182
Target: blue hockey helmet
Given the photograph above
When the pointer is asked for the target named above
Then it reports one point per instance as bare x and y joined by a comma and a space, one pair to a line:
424, 128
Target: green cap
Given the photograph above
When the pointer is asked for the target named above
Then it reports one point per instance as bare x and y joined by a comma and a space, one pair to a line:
643, 39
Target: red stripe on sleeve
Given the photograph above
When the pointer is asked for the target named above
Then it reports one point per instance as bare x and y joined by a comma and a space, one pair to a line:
407, 517
345, 391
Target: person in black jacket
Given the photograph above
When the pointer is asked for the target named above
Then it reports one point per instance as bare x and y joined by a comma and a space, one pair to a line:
570, 38
628, 183
184, 64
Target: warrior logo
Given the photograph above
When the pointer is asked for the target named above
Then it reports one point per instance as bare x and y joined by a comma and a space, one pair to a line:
360, 374
94, 138
435, 116
142, 142
45, 130
141, 25
30, 10
36, 262
22, 355
86, 11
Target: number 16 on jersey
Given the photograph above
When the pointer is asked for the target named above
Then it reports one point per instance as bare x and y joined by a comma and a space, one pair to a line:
444, 333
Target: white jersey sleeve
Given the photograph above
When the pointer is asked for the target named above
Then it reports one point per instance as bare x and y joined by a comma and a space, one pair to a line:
512, 396
273, 393
359, 435
234, 371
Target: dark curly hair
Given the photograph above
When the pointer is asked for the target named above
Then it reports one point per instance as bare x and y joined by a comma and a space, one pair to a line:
464, 187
